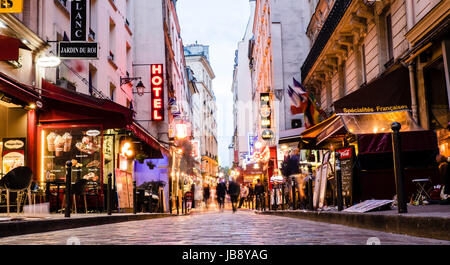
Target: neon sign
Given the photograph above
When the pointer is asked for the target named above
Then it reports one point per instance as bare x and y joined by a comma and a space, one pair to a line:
157, 92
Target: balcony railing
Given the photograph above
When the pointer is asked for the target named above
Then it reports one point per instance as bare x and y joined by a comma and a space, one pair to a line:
332, 21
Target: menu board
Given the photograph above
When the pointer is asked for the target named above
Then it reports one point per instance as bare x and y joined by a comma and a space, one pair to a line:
324, 179
13, 153
124, 182
347, 157
82, 146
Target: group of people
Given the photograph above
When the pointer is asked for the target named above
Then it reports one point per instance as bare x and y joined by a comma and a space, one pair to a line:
201, 194
239, 193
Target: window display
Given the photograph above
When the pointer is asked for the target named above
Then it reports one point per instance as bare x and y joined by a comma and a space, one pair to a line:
82, 146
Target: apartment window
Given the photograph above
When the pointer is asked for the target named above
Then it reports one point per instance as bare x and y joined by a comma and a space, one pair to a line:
92, 19
92, 78
112, 37
363, 64
112, 91
389, 40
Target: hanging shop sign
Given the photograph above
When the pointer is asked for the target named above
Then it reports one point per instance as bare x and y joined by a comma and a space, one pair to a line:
195, 149
78, 20
13, 154
78, 50
11, 6
251, 143
157, 91
265, 111
267, 135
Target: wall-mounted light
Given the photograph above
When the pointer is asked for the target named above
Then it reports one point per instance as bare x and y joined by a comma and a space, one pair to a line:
140, 88
48, 61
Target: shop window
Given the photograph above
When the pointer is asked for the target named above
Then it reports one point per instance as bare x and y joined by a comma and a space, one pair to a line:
438, 104
13, 133
82, 146
389, 39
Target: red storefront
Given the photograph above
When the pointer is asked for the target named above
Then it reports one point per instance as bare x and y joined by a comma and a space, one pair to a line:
71, 128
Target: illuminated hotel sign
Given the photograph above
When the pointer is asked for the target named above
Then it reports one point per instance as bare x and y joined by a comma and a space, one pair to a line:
265, 111
11, 6
157, 86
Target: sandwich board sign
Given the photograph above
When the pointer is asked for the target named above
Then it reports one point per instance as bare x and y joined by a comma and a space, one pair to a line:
368, 205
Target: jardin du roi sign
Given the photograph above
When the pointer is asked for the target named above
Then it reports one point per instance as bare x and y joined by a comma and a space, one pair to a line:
78, 50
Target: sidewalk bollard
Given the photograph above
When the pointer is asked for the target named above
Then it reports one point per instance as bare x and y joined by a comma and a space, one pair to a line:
269, 200
310, 189
68, 186
151, 199
293, 194
108, 198
282, 197
178, 205
398, 169
339, 182
182, 206
134, 197
161, 202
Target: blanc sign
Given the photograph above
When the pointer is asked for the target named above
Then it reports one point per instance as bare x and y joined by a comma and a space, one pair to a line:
78, 20
78, 50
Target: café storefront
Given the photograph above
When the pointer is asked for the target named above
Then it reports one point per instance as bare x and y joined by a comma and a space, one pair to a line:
72, 128
361, 129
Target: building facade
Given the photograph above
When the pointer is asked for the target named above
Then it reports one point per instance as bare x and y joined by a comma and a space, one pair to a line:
197, 58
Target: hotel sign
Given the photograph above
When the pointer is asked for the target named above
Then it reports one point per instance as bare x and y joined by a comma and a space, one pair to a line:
157, 91
78, 50
11, 6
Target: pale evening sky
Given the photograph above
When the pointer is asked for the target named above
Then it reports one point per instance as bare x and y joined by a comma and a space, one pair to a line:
221, 25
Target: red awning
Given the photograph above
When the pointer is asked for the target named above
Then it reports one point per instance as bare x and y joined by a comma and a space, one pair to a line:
143, 135
21, 93
9, 48
410, 141
68, 106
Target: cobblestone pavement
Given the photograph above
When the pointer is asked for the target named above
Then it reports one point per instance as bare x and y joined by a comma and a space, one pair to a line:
217, 228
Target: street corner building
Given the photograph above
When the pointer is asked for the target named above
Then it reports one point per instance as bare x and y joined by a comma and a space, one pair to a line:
79, 84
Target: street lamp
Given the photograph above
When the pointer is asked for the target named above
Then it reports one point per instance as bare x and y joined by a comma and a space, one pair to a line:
139, 87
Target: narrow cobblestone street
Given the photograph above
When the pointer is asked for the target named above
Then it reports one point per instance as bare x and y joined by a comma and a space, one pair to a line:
218, 228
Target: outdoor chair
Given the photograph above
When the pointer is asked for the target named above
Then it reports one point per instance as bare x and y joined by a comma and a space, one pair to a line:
17, 180
422, 189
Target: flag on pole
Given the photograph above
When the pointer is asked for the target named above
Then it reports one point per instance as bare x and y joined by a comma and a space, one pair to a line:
311, 109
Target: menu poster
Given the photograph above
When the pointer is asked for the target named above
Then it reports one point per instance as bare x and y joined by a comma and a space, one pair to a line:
13, 154
82, 146
347, 158
324, 179
317, 180
124, 182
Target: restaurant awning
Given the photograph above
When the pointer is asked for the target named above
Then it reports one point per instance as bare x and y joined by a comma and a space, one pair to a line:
9, 48
151, 141
389, 92
65, 105
17, 92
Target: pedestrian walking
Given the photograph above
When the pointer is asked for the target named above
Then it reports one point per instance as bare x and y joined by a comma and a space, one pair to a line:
198, 195
259, 192
206, 194
244, 194
251, 196
234, 191
221, 190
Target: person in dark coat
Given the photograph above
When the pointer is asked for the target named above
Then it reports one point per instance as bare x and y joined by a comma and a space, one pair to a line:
221, 190
206, 194
259, 192
234, 191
